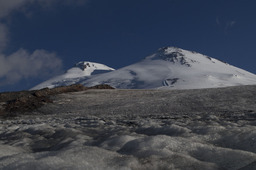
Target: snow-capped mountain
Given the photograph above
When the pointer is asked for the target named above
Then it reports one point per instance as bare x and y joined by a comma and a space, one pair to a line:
80, 70
168, 68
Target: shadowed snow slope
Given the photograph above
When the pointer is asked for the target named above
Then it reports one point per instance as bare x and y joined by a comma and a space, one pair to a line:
169, 68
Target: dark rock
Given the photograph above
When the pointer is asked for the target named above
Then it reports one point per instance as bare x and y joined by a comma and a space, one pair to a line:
101, 86
13, 103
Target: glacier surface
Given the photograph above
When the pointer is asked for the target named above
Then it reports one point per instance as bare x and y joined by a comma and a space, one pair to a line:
135, 129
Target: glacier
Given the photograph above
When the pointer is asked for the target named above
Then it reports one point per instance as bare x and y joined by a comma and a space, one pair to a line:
135, 129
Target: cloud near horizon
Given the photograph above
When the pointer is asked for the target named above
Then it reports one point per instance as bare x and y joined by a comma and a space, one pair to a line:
21, 64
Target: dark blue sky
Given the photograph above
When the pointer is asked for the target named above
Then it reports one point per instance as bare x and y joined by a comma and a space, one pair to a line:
121, 32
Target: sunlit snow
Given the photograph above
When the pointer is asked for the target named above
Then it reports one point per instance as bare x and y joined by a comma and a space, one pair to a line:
168, 68
74, 74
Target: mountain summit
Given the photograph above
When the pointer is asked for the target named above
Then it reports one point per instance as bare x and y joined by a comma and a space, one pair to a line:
168, 68
80, 71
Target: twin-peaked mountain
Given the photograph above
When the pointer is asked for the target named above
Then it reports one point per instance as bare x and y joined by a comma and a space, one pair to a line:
168, 68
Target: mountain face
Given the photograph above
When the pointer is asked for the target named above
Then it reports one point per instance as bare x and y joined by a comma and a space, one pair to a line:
168, 68
80, 71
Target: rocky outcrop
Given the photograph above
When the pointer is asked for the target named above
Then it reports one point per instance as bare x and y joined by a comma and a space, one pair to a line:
14, 103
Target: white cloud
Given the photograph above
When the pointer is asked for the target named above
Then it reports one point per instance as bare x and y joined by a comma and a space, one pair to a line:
23, 65
7, 6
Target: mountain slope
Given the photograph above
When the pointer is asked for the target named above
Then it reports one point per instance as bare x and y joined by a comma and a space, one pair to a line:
173, 68
72, 76
177, 69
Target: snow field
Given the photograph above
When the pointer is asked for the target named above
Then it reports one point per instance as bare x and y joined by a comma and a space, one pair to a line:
135, 129
117, 144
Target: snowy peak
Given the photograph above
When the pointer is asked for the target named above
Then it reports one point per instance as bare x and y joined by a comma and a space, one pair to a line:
167, 68
174, 55
86, 68
175, 68
81, 70
179, 56
86, 65
83, 65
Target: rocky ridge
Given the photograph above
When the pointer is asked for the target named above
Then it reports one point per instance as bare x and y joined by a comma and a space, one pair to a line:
13, 103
